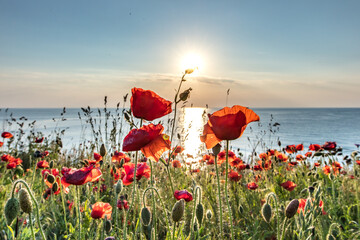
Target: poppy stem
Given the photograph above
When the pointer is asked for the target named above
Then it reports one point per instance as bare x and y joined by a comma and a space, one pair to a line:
79, 213
63, 203
31, 227
226, 189
171, 182
277, 212
133, 194
34, 200
219, 195
153, 197
194, 211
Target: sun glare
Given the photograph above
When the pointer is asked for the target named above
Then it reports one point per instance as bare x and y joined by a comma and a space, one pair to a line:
192, 61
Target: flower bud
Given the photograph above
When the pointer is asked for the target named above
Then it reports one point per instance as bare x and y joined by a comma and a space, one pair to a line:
25, 201
145, 216
189, 71
196, 226
55, 187
266, 212
119, 187
122, 161
12, 209
103, 150
108, 226
178, 210
200, 212
185, 95
292, 208
51, 164
50, 178
208, 214
216, 149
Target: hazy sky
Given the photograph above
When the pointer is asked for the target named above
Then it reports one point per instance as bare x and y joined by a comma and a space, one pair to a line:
269, 53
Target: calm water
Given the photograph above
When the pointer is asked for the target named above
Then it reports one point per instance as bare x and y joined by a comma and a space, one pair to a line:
297, 125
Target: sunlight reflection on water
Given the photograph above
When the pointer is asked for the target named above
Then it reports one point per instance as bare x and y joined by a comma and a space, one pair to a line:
192, 123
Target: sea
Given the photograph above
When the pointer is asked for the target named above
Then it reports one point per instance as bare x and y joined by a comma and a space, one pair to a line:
277, 127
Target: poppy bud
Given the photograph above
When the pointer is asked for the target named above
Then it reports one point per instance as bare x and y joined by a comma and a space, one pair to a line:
37, 154
266, 212
331, 177
119, 187
55, 187
208, 214
25, 201
12, 209
103, 150
121, 163
108, 226
196, 227
51, 164
145, 216
200, 212
178, 210
185, 95
311, 189
216, 149
50, 178
292, 208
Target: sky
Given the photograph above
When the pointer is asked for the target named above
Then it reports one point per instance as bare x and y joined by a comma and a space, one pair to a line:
268, 53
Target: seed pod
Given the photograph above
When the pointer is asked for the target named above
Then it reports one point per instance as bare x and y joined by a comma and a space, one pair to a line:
178, 210
200, 212
292, 208
145, 216
12, 209
209, 214
216, 149
103, 150
50, 178
108, 226
266, 212
25, 201
55, 187
119, 187
185, 95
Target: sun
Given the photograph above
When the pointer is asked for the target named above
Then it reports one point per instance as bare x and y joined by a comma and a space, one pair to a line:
192, 61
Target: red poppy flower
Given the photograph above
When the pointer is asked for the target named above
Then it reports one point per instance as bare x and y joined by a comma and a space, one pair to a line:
257, 168
1, 144
326, 169
183, 194
209, 159
39, 140
252, 186
299, 147
44, 154
196, 170
263, 156
149, 139
122, 204
241, 167
227, 124
234, 176
358, 162
100, 209
13, 163
53, 171
79, 176
302, 204
308, 154
6, 158
176, 164
290, 148
148, 105
300, 157
116, 174
222, 157
314, 147
178, 149
272, 152
234, 162
118, 156
281, 156
97, 157
143, 170
288, 185
329, 145
42, 164
316, 164
293, 164
6, 135
336, 166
